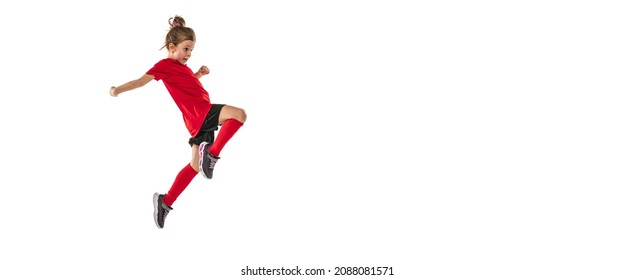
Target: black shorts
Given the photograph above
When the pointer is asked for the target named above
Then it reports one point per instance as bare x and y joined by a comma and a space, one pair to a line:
209, 127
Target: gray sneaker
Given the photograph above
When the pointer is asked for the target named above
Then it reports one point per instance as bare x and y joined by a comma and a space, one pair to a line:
160, 210
207, 161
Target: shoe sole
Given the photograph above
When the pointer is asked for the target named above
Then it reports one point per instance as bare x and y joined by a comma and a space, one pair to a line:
201, 154
156, 207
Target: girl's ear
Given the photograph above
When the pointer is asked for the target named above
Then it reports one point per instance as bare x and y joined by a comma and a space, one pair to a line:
171, 47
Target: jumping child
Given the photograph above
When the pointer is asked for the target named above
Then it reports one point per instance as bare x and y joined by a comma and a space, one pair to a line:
201, 117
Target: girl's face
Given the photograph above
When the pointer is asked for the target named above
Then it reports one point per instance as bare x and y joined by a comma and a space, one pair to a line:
182, 51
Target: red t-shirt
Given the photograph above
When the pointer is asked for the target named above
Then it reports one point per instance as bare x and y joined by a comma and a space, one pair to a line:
186, 90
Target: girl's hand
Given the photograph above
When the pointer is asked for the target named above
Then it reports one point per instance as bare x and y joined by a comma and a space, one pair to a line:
112, 92
202, 71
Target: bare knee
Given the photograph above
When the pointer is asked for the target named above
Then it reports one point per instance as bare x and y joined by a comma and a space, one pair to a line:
230, 112
241, 115
194, 162
194, 165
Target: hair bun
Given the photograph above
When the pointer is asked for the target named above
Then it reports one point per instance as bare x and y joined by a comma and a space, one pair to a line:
176, 21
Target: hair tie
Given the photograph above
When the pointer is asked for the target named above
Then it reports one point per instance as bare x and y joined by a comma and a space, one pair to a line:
175, 24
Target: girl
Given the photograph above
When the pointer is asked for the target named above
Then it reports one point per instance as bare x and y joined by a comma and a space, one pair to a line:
201, 117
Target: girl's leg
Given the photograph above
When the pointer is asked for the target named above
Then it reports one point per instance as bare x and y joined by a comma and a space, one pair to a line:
184, 177
231, 118
195, 157
163, 203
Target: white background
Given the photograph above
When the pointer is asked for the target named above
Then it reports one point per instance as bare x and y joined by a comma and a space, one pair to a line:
446, 139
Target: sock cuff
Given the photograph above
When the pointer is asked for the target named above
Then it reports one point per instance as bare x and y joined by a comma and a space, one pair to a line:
234, 120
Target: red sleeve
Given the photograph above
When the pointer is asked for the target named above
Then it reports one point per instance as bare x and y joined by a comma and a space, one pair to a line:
159, 71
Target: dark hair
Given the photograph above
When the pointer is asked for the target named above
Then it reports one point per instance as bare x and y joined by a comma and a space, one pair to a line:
178, 32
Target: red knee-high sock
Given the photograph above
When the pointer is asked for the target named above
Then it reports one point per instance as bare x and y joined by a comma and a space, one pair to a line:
180, 183
228, 129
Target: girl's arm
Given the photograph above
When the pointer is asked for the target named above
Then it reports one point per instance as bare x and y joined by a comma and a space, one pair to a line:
115, 91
